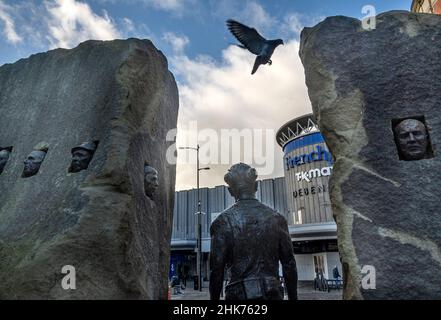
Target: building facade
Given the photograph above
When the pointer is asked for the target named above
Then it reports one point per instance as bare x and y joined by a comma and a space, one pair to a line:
308, 165
426, 6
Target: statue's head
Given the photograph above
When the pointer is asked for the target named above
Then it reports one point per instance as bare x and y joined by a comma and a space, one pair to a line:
151, 180
82, 155
33, 162
4, 156
412, 139
241, 180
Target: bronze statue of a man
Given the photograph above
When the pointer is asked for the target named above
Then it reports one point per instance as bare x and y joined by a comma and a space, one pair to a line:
4, 157
33, 162
412, 139
82, 155
151, 183
249, 239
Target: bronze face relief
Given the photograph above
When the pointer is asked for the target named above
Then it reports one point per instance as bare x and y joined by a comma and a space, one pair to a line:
82, 155
412, 140
4, 156
33, 162
151, 180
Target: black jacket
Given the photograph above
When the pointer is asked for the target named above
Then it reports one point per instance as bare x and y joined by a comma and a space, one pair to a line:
249, 239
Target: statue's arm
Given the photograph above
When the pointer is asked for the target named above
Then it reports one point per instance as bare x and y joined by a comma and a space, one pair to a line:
286, 255
218, 253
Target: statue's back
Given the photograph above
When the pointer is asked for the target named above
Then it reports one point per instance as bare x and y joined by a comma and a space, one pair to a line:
254, 249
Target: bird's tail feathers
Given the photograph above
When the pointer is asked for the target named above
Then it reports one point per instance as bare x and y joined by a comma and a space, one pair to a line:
257, 63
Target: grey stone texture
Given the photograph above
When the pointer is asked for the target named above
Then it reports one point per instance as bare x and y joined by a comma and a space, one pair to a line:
99, 220
387, 210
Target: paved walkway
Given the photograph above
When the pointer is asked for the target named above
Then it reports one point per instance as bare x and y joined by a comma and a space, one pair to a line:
305, 292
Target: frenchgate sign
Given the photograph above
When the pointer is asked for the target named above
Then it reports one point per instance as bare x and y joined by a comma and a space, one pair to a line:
320, 154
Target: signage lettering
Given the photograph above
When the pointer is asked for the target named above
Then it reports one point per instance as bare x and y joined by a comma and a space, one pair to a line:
312, 190
320, 154
313, 174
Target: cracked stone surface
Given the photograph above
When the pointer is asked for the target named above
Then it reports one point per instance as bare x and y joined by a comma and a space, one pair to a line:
98, 220
387, 211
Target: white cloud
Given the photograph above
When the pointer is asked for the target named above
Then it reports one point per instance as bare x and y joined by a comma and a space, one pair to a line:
71, 22
226, 95
257, 17
177, 7
167, 4
9, 25
128, 25
293, 23
178, 42
251, 13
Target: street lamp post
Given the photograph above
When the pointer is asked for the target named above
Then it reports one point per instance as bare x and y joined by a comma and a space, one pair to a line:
199, 225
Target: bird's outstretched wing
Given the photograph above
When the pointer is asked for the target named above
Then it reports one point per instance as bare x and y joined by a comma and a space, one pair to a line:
249, 37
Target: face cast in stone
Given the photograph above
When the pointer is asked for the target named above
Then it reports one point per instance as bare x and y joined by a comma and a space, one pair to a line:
32, 163
81, 156
412, 139
151, 181
4, 156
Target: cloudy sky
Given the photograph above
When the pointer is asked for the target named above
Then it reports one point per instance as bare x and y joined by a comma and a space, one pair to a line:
217, 91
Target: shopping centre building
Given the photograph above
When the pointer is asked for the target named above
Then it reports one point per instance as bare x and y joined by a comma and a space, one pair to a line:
308, 166
302, 196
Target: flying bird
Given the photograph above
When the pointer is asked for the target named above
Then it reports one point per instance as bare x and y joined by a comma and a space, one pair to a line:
254, 42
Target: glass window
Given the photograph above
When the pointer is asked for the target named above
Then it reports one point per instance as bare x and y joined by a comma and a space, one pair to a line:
297, 217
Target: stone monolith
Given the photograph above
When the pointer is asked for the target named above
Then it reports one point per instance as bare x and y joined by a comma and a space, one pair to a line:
95, 225
363, 83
